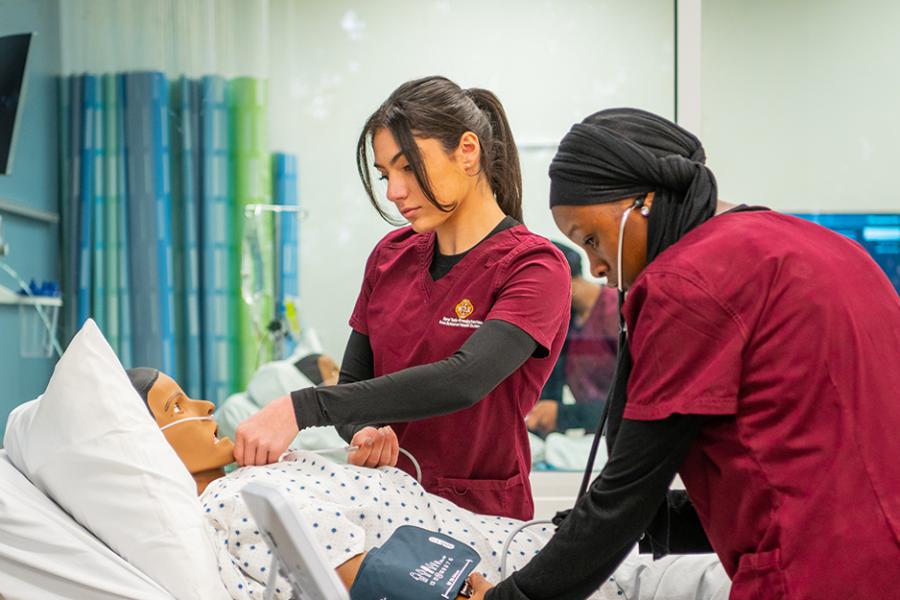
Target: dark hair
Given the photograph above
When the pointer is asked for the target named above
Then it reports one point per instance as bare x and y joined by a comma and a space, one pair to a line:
309, 368
143, 378
436, 108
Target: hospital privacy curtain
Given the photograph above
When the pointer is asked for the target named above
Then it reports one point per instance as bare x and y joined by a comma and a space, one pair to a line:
156, 174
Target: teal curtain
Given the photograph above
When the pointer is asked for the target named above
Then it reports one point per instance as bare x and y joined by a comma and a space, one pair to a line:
155, 177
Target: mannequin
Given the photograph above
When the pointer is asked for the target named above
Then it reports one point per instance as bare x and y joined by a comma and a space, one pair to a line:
205, 456
190, 429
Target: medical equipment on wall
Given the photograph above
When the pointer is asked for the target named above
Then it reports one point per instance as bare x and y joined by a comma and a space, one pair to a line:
273, 310
38, 315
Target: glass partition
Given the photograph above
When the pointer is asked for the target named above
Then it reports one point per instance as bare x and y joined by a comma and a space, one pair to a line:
550, 63
799, 103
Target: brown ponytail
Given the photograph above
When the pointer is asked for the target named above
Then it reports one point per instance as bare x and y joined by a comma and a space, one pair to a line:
435, 107
500, 159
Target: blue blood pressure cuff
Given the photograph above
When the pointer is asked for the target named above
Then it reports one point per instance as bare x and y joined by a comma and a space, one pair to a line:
415, 564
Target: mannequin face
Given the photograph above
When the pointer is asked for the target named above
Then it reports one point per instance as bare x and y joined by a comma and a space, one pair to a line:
329, 370
195, 442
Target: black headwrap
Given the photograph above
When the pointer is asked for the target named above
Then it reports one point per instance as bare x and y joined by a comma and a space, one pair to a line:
624, 153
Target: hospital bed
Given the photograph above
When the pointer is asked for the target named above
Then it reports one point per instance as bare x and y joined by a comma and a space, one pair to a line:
105, 461
45, 554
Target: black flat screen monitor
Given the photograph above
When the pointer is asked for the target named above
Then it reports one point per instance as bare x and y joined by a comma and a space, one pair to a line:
13, 59
878, 233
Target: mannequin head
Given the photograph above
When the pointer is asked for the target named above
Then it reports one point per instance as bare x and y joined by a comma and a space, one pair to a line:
195, 441
320, 369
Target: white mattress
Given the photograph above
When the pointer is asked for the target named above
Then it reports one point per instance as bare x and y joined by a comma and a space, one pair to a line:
45, 554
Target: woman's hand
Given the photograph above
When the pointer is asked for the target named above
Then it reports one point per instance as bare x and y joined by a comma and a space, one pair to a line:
543, 416
262, 438
480, 585
377, 447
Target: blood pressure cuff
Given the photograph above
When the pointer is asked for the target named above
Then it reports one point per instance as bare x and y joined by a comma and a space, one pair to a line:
415, 564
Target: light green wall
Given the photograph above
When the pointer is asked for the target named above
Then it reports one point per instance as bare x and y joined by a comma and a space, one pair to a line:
800, 102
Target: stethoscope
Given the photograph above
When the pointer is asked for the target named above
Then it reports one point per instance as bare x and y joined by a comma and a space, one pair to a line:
623, 332
645, 211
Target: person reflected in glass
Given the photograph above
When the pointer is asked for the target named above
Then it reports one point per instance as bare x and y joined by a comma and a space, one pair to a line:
587, 361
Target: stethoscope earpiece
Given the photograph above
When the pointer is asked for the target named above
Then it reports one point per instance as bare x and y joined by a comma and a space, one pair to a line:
645, 211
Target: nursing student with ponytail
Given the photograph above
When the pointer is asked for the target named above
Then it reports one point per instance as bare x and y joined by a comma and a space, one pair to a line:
757, 360
461, 316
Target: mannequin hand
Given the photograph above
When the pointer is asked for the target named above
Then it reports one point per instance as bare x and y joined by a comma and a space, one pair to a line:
480, 585
543, 416
262, 438
377, 447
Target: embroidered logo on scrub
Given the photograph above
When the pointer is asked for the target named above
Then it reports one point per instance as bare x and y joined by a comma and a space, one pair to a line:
464, 308
463, 311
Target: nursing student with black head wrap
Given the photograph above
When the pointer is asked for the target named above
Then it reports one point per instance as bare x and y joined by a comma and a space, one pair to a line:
758, 359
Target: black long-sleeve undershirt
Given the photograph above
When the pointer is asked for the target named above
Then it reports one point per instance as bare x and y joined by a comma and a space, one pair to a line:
401, 394
358, 364
488, 357
607, 521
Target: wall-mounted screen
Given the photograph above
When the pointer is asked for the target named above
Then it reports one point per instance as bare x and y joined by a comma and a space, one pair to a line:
13, 58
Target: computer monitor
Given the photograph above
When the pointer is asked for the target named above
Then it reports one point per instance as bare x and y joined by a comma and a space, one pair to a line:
294, 548
878, 233
13, 60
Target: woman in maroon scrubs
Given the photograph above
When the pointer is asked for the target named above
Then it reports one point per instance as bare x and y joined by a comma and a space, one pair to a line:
461, 315
761, 364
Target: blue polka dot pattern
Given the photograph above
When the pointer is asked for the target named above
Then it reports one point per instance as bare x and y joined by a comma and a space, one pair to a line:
350, 511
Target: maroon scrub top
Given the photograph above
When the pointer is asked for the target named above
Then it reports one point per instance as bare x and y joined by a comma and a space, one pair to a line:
789, 333
479, 457
590, 360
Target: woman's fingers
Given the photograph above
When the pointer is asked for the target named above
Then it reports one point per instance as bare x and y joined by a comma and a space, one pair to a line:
262, 455
362, 439
263, 437
239, 448
480, 585
395, 446
377, 447
384, 454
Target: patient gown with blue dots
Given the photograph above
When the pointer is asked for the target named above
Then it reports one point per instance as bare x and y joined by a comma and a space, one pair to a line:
350, 510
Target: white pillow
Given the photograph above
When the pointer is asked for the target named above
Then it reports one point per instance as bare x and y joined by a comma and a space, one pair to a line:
91, 445
45, 554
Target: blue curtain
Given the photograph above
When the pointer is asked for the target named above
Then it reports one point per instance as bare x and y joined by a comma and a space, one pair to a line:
219, 328
287, 283
148, 232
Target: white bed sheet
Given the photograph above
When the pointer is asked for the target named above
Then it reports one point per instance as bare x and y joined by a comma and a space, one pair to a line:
45, 554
